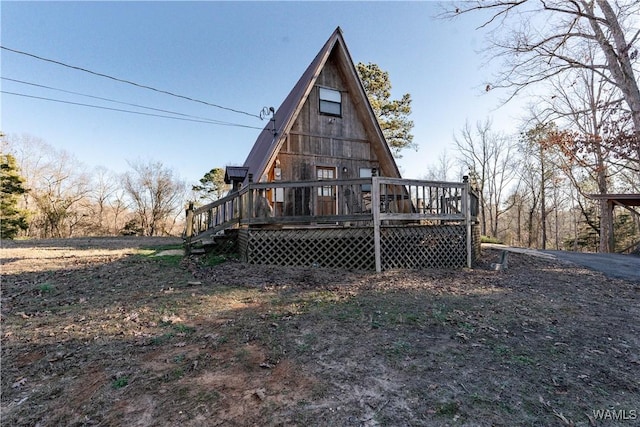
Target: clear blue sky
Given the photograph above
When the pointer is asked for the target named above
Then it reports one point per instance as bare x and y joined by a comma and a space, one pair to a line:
240, 55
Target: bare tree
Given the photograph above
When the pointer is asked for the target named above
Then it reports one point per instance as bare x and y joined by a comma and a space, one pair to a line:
539, 39
30, 153
539, 175
103, 187
66, 201
58, 194
58, 186
441, 169
156, 195
517, 201
118, 206
487, 156
589, 109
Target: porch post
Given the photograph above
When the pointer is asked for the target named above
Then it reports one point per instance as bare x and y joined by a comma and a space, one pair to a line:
612, 238
188, 234
250, 201
240, 208
375, 210
466, 206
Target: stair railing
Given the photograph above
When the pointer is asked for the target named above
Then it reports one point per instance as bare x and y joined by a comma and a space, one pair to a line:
207, 220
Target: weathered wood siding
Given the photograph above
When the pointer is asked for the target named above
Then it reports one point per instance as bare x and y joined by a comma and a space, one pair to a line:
324, 140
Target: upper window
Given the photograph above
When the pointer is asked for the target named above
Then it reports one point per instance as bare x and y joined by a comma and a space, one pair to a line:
330, 102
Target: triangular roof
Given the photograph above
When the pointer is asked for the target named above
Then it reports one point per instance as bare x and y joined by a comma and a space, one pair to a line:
267, 145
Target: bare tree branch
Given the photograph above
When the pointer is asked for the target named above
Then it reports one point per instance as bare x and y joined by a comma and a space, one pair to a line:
560, 41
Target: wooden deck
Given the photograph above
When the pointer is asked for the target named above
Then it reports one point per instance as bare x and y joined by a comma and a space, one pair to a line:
334, 223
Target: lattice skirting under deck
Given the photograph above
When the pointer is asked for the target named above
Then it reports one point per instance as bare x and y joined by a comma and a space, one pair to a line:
410, 247
348, 248
435, 246
475, 242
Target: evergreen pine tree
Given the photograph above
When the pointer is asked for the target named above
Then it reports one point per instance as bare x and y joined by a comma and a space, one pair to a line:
12, 219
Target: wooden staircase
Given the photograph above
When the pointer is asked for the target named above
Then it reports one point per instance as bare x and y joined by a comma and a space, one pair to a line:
213, 228
218, 244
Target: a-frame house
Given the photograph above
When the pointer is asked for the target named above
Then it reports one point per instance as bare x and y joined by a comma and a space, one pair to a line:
324, 129
321, 187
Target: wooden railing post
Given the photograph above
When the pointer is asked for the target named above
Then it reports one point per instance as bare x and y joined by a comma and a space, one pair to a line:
240, 207
250, 193
466, 206
189, 226
375, 210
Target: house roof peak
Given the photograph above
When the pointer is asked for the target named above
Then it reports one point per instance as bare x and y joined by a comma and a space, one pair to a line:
274, 132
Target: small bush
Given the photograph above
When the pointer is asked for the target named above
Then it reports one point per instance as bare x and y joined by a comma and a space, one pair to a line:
45, 288
120, 382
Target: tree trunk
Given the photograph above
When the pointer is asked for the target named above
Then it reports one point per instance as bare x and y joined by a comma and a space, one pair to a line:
530, 228
483, 218
519, 225
606, 225
618, 60
543, 203
557, 230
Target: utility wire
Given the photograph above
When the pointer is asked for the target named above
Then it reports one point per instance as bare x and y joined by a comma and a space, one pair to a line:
215, 122
112, 100
128, 82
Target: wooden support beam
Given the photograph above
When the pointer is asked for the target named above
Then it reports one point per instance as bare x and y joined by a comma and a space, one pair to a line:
466, 207
375, 208
189, 226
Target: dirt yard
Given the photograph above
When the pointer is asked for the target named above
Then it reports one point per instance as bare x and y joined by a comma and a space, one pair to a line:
104, 332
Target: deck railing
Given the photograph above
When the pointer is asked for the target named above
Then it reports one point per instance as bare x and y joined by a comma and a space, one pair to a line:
340, 203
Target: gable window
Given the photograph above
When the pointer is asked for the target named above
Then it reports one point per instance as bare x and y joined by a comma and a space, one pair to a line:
330, 102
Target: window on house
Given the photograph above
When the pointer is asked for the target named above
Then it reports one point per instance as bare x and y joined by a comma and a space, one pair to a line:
325, 173
330, 102
366, 173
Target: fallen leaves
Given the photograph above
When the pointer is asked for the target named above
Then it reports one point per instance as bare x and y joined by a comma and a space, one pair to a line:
259, 394
20, 382
261, 342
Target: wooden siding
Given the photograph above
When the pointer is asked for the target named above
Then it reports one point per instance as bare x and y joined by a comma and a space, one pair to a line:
318, 139
311, 121
300, 129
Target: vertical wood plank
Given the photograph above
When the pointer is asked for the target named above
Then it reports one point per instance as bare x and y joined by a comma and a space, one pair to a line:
466, 206
251, 195
375, 209
189, 230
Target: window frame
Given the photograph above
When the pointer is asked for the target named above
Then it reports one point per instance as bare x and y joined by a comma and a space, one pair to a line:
326, 99
326, 173
365, 173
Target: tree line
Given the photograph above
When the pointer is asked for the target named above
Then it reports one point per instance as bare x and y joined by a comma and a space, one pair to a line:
577, 63
536, 188
48, 193
580, 137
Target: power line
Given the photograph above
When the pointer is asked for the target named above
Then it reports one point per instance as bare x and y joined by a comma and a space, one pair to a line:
109, 100
214, 122
128, 82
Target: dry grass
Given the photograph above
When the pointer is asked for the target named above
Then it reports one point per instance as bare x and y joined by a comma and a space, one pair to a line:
103, 333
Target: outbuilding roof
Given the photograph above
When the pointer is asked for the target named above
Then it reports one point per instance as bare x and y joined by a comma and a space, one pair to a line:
234, 174
619, 199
